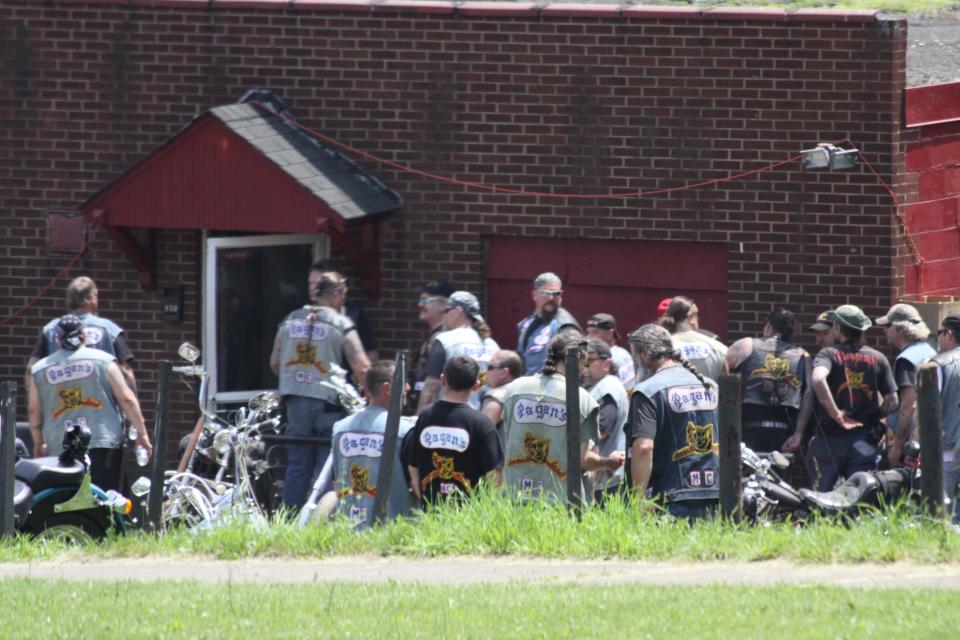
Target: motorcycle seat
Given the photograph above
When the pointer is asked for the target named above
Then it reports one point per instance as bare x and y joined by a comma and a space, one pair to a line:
46, 473
857, 489
22, 501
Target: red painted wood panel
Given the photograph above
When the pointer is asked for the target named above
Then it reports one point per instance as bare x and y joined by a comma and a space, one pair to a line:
208, 177
932, 215
623, 277
932, 104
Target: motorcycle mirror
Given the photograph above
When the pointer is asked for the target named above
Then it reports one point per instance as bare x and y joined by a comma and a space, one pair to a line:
188, 352
141, 487
265, 402
779, 460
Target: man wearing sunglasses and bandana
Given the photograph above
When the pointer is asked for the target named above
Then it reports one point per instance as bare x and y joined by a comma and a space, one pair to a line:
430, 308
548, 318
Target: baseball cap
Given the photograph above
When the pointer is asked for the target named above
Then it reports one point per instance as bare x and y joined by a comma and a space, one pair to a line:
822, 322
466, 301
662, 307
599, 347
900, 313
438, 288
851, 316
602, 321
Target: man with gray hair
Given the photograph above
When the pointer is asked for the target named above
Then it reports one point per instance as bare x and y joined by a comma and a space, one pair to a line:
546, 321
83, 300
906, 331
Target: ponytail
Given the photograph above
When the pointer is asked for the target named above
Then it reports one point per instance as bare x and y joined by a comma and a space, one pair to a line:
689, 367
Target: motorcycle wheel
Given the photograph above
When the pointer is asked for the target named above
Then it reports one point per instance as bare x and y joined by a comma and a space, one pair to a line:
70, 528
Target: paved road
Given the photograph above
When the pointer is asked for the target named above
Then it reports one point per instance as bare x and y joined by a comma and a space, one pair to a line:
933, 50
474, 570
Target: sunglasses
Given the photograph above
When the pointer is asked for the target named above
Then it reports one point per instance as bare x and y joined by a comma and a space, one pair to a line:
425, 300
550, 294
943, 332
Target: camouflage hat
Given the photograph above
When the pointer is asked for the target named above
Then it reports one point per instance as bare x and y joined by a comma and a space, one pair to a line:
850, 316
900, 313
466, 301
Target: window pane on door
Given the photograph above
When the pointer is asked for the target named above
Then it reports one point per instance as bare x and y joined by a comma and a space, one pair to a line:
256, 288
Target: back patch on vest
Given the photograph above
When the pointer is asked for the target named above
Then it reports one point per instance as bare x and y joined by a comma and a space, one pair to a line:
551, 414
72, 398
699, 442
361, 444
301, 330
694, 350
453, 438
70, 371
92, 335
696, 398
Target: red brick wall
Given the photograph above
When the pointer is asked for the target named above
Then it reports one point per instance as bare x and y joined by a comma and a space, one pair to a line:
568, 101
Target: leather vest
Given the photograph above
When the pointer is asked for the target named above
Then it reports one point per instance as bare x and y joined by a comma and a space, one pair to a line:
465, 341
916, 354
535, 421
949, 364
357, 447
310, 353
535, 354
616, 440
686, 463
774, 374
72, 388
703, 352
99, 333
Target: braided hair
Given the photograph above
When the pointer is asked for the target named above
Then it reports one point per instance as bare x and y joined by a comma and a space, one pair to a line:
656, 341
557, 350
678, 312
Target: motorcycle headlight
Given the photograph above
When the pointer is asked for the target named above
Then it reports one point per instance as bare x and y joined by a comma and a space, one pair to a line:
221, 441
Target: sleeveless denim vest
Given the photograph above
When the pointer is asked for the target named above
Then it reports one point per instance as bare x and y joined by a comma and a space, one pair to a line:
310, 352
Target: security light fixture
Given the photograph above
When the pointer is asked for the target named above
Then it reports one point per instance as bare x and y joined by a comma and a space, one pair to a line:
828, 156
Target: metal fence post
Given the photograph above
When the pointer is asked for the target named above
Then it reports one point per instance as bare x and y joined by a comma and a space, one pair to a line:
730, 433
931, 439
155, 500
574, 481
8, 436
388, 457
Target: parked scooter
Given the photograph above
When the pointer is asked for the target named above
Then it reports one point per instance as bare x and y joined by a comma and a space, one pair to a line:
54, 498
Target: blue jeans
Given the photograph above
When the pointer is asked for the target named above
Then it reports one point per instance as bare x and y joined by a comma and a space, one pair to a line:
840, 455
306, 417
691, 510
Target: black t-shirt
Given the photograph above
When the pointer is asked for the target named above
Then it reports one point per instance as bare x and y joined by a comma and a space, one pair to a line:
904, 373
607, 415
857, 373
642, 420
120, 348
436, 360
452, 446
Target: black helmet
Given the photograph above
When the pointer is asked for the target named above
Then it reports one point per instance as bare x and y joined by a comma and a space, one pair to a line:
76, 440
70, 332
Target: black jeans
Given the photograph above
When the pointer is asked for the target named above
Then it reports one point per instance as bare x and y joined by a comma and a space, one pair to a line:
105, 468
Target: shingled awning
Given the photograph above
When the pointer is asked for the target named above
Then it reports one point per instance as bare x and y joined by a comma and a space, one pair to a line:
246, 167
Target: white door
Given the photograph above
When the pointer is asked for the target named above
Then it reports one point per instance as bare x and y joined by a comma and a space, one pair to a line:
250, 284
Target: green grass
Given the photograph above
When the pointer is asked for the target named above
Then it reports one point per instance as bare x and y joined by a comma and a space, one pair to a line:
198, 610
491, 525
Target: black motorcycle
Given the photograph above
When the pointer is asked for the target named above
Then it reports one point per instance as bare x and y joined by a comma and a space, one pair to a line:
767, 497
54, 498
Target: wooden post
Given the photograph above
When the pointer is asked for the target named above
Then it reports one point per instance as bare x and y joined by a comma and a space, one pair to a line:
155, 499
574, 481
388, 457
8, 438
931, 439
730, 430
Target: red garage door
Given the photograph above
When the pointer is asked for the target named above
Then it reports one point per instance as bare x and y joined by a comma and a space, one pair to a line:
627, 278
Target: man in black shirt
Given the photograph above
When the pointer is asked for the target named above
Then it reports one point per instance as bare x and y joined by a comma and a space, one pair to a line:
855, 389
452, 445
430, 308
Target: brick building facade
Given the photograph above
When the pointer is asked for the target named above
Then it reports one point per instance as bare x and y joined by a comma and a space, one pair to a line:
564, 99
